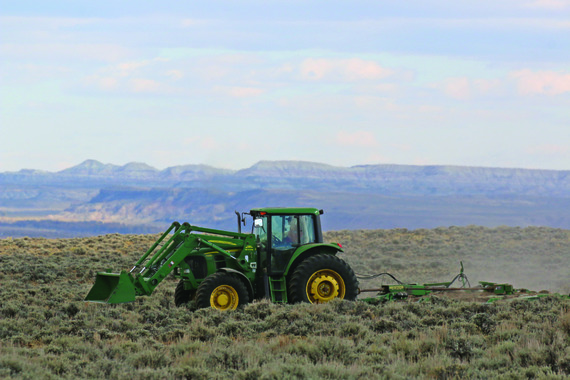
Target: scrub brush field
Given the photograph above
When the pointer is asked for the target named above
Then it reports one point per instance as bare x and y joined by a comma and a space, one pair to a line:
48, 331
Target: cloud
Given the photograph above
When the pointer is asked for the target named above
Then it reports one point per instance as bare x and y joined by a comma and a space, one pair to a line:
541, 82
135, 77
356, 138
402, 147
175, 74
549, 150
205, 142
145, 85
138, 85
239, 92
127, 86
457, 88
548, 4
103, 83
375, 158
464, 88
127, 68
526, 81
485, 86
209, 143
30, 73
353, 69
192, 23
90, 52
131, 68
49, 23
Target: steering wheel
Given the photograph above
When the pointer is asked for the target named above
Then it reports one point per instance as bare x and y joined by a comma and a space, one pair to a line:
275, 241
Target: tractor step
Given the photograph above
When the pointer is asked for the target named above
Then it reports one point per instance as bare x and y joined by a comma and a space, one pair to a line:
278, 288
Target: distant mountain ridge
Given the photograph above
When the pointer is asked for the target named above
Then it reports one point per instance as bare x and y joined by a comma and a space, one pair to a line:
415, 179
362, 196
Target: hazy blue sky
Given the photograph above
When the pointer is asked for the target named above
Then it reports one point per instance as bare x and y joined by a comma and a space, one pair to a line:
230, 83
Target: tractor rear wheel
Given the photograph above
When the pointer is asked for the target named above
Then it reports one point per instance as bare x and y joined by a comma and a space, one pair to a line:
222, 291
322, 278
182, 296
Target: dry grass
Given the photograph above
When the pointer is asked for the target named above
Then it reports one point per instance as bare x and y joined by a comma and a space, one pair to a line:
47, 331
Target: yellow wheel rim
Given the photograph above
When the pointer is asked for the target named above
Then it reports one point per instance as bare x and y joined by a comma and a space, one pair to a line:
325, 285
224, 297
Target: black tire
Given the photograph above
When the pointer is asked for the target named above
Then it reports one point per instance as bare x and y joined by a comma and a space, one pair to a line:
322, 278
222, 291
182, 296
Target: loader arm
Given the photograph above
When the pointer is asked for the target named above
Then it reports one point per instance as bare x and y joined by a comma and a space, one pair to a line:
164, 256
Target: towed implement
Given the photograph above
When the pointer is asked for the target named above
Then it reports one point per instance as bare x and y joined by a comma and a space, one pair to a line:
485, 292
283, 258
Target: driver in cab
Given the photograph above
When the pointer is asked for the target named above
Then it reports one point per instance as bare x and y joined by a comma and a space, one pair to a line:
292, 237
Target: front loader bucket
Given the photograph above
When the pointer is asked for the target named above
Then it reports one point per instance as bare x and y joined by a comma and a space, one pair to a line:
112, 288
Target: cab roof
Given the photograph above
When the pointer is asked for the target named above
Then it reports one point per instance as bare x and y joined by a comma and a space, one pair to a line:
287, 210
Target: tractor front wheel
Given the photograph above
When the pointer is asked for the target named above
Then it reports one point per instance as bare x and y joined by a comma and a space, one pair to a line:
182, 296
222, 291
322, 278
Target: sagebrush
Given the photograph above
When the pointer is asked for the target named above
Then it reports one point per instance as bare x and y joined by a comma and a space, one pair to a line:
48, 331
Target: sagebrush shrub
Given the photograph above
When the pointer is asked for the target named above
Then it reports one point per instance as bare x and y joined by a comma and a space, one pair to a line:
484, 322
564, 323
47, 331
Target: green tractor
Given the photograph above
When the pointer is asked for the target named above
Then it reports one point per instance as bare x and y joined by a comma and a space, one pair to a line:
284, 259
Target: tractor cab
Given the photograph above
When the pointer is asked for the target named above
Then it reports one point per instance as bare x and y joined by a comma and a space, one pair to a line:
281, 231
296, 265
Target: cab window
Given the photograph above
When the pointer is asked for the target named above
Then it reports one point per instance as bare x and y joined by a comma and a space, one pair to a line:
287, 233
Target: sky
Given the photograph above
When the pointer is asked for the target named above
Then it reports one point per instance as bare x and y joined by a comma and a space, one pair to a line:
230, 83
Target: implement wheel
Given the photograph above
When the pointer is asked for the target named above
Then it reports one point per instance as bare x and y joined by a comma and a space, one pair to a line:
182, 296
322, 278
222, 291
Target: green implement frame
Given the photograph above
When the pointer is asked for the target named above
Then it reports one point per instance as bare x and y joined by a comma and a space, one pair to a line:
486, 291
404, 291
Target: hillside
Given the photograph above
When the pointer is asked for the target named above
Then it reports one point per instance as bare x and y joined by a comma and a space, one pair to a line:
138, 198
47, 331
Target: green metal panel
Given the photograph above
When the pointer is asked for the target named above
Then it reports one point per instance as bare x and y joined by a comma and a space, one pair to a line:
499, 289
112, 288
287, 210
332, 249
